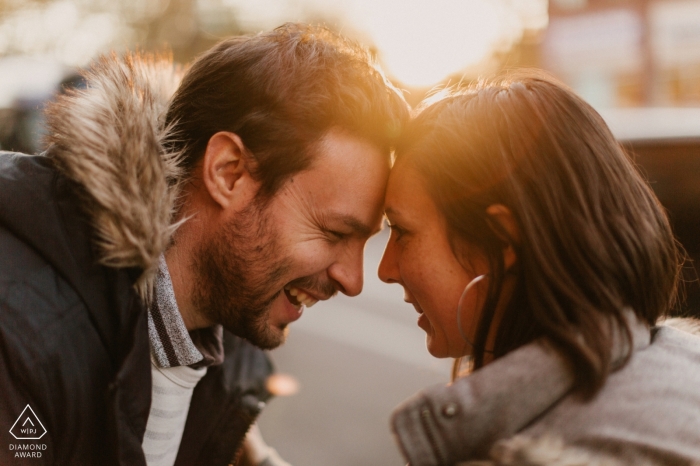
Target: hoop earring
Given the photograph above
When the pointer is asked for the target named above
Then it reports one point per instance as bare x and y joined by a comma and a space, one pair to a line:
469, 286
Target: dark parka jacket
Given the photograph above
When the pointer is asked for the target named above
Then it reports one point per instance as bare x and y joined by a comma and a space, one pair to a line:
81, 229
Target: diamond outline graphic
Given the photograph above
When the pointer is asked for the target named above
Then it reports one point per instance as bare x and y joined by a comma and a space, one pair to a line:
37, 420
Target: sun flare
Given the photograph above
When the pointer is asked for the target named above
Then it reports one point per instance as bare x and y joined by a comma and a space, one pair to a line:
421, 43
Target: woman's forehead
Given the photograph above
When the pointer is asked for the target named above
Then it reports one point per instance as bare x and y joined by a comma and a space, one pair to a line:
406, 196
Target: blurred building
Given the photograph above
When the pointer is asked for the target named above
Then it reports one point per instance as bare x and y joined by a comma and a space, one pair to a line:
623, 53
643, 55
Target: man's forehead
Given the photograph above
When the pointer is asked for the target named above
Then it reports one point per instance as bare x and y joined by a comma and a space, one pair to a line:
349, 148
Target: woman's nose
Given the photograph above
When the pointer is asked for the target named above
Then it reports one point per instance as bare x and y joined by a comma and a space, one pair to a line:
388, 270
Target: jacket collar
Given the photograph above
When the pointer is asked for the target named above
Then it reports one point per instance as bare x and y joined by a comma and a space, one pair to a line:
463, 420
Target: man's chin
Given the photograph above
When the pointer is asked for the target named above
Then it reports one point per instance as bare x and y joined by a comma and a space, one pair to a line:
275, 336
264, 337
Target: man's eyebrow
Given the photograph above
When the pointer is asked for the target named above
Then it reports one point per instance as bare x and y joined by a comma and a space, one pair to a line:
358, 227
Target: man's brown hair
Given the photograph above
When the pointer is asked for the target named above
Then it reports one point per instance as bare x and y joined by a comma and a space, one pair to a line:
280, 92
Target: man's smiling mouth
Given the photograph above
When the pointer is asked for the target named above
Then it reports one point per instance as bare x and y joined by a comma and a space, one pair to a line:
298, 297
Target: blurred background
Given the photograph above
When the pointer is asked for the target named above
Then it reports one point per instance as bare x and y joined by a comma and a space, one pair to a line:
636, 61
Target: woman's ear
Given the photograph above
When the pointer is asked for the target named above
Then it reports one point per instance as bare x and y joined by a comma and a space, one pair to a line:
504, 225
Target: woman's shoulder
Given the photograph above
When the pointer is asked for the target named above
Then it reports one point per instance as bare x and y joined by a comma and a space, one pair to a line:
647, 411
651, 402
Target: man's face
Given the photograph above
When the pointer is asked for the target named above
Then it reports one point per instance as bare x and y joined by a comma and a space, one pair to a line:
306, 243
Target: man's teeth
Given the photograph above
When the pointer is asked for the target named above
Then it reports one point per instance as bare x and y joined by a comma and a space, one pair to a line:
302, 297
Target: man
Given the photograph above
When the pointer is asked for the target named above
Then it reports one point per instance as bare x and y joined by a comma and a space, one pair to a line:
245, 198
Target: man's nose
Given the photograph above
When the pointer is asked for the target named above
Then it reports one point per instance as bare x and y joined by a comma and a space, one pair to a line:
348, 272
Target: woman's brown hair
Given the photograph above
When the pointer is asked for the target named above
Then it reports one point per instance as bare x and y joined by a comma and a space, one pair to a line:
593, 238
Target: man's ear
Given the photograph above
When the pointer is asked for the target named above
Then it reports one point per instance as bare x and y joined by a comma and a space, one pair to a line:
226, 171
504, 225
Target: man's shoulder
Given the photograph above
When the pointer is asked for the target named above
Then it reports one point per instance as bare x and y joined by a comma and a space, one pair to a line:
41, 314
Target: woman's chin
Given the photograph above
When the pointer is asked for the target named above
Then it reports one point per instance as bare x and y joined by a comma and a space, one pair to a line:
441, 351
435, 349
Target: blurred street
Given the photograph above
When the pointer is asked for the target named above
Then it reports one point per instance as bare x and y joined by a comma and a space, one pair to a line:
355, 359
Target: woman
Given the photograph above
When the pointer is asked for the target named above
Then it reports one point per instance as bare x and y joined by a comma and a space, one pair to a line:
528, 242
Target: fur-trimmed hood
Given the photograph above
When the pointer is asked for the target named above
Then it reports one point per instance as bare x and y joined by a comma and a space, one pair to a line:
107, 140
548, 450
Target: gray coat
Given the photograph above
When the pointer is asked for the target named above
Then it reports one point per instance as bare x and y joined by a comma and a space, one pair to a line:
648, 412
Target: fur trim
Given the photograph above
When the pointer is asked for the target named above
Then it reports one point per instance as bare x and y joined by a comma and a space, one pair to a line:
687, 324
547, 450
107, 139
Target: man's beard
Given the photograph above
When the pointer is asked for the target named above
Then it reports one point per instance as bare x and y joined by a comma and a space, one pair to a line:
237, 272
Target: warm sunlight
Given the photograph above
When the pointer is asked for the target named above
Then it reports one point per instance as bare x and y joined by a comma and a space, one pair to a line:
421, 43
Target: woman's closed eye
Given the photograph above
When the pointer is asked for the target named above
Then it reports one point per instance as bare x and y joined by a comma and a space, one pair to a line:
396, 230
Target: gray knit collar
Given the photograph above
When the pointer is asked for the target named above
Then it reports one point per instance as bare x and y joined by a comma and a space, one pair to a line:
171, 343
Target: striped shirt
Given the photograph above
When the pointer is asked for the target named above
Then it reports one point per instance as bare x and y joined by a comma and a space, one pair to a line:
172, 392
179, 359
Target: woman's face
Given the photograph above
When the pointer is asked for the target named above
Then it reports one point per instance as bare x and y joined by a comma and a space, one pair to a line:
419, 257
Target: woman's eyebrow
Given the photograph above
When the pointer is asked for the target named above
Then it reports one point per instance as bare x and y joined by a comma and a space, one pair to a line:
395, 214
